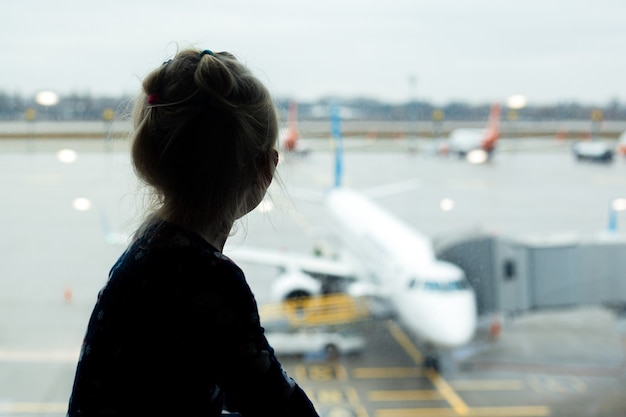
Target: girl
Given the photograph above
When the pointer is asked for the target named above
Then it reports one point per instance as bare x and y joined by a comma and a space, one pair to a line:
176, 331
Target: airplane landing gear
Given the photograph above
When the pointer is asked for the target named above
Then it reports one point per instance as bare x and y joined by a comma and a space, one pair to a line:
440, 361
431, 363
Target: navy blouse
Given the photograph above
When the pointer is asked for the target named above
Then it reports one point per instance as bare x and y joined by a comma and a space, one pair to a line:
176, 332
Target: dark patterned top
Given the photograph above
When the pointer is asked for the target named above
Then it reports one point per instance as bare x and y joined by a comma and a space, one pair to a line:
176, 332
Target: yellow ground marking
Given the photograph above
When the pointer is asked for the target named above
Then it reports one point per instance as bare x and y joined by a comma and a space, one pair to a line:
442, 386
360, 411
448, 393
338, 397
489, 385
352, 395
321, 373
416, 412
332, 372
340, 373
404, 395
353, 399
474, 412
300, 373
32, 408
459, 408
364, 373
316, 311
406, 343
528, 411
330, 396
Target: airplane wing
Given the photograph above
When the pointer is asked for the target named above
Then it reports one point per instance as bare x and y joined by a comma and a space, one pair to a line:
352, 301
291, 261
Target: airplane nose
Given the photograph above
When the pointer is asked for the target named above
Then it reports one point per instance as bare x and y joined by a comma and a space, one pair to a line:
449, 320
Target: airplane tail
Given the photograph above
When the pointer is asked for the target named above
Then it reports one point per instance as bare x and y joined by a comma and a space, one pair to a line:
291, 135
492, 132
335, 129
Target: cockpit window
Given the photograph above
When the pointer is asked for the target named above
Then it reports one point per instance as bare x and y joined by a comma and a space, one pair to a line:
446, 286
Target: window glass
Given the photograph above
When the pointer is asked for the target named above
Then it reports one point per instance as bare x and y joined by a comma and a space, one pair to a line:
488, 135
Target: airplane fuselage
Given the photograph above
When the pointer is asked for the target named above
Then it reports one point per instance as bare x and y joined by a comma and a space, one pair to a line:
593, 151
432, 298
463, 141
477, 145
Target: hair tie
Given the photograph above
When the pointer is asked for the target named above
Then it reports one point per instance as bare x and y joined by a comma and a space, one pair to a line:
153, 99
206, 51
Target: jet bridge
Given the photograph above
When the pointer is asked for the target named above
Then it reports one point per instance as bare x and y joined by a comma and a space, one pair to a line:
518, 274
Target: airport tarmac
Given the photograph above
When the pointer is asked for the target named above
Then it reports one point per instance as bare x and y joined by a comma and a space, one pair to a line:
64, 224
504, 380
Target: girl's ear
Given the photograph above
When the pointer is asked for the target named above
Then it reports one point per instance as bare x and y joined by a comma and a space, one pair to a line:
270, 166
275, 157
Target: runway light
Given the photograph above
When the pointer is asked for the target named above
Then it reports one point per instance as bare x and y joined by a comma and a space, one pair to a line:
81, 204
619, 204
47, 98
67, 156
446, 204
477, 156
516, 101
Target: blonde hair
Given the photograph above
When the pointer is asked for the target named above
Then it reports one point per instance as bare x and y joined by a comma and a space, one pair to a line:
205, 128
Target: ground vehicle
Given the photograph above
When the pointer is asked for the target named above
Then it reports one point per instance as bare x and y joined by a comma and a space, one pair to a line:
593, 151
312, 341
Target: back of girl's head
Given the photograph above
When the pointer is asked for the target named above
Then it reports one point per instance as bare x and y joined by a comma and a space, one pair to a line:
204, 129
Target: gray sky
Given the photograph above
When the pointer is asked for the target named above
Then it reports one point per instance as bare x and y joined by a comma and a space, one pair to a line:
474, 50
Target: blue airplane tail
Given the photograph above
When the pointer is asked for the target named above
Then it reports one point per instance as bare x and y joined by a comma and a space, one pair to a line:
335, 129
612, 223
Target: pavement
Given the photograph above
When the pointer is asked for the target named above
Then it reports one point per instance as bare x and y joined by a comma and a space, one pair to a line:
55, 258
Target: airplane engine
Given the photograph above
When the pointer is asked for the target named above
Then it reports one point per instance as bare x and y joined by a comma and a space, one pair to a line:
295, 284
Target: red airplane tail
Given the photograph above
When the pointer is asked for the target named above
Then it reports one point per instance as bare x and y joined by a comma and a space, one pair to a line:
492, 132
292, 134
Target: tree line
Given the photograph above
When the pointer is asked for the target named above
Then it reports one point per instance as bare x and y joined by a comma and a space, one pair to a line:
88, 107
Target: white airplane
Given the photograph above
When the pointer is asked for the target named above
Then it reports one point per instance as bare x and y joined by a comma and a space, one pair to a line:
432, 299
289, 136
477, 145
593, 150
599, 150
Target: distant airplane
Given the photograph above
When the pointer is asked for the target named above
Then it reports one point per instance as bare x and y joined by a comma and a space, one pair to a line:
477, 145
387, 259
289, 137
593, 150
